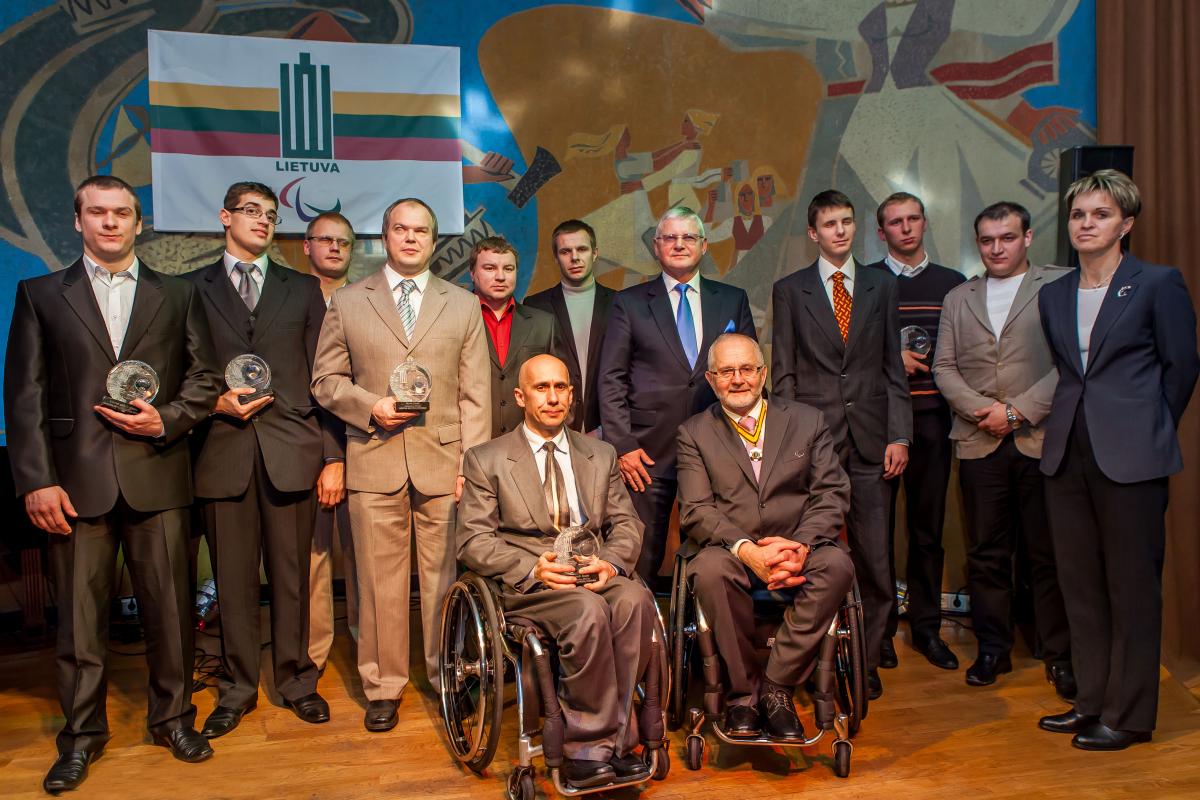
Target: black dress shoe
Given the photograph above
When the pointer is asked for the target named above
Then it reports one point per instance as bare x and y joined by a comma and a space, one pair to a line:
222, 720
582, 774
629, 766
1067, 722
381, 715
936, 652
986, 668
1062, 677
887, 655
741, 722
1099, 736
874, 685
68, 771
310, 708
185, 744
779, 717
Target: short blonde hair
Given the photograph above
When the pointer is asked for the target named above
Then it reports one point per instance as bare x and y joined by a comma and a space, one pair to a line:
1116, 184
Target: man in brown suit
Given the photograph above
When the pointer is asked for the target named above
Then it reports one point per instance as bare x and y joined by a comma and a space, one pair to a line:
403, 469
521, 490
762, 497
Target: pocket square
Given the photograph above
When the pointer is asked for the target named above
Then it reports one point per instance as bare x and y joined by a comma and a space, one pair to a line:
729, 328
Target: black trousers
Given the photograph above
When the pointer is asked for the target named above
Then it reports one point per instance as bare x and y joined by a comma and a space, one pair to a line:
155, 547
1003, 494
1109, 538
276, 527
867, 531
925, 481
653, 507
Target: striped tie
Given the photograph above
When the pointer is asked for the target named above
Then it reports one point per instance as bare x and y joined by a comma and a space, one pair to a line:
841, 304
555, 489
404, 306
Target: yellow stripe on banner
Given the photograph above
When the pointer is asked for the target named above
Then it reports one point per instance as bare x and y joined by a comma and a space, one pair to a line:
391, 104
198, 95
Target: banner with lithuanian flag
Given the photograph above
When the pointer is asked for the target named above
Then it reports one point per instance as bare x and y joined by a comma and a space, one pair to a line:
330, 126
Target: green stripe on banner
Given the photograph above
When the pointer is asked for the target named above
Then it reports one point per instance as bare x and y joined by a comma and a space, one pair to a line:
214, 119
388, 127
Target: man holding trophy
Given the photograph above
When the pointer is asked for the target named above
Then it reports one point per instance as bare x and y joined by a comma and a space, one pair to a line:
402, 360
261, 456
101, 474
545, 511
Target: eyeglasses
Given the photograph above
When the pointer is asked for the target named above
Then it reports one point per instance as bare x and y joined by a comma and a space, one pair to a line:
254, 212
689, 239
746, 372
329, 240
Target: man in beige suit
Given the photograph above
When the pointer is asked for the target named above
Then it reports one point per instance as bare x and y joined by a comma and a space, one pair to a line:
762, 498
521, 490
994, 367
403, 469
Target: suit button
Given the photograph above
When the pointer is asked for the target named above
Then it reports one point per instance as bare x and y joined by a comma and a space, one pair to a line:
844, 375
503, 403
691, 384
849, 403
999, 365
762, 505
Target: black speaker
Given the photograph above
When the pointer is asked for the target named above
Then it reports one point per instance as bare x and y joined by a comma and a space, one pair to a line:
1075, 163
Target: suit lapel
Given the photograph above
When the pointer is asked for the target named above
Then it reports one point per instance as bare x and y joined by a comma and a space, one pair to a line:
77, 291
521, 328
977, 302
432, 304
587, 487
147, 298
1026, 293
1114, 304
660, 309
274, 295
723, 430
714, 320
524, 473
221, 294
559, 304
818, 305
780, 422
380, 297
600, 309
862, 305
1065, 321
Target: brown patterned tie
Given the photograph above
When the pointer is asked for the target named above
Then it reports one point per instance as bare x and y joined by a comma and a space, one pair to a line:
555, 489
841, 304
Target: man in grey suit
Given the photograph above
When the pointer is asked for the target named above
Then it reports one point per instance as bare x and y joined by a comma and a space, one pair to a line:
521, 490
995, 368
836, 346
761, 502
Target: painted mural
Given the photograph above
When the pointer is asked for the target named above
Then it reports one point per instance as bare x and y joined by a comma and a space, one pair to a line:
611, 111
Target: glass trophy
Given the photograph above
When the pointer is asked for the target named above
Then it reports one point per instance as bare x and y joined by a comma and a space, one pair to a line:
915, 339
249, 371
577, 546
410, 384
129, 381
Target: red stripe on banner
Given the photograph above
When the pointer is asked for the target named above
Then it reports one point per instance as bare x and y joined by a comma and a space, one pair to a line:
214, 143
1017, 83
362, 148
845, 88
993, 70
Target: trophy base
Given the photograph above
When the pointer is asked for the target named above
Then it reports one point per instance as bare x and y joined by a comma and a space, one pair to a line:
243, 399
420, 406
584, 580
119, 406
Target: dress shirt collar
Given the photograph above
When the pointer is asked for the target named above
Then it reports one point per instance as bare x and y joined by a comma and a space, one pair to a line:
827, 269
231, 264
902, 270
92, 266
536, 440
394, 278
508, 308
671, 283
754, 413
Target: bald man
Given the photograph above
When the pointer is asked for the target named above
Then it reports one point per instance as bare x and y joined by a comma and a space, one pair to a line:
521, 489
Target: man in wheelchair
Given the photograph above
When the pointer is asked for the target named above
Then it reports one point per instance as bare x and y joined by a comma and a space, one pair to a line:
522, 490
762, 499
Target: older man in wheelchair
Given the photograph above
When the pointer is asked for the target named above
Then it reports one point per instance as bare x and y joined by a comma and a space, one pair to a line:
525, 490
762, 500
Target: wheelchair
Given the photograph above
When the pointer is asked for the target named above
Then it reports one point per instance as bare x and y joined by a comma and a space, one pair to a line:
480, 650
837, 685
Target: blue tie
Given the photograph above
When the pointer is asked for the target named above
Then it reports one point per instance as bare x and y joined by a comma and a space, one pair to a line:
686, 325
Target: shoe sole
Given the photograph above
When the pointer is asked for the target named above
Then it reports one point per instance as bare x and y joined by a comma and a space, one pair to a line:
375, 728
591, 783
1109, 749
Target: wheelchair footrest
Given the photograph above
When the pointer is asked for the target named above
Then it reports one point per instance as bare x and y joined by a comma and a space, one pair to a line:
762, 741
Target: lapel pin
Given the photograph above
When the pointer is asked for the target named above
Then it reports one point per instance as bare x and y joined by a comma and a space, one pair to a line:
1124, 290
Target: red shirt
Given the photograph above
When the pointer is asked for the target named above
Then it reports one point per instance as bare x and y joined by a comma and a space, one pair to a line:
500, 330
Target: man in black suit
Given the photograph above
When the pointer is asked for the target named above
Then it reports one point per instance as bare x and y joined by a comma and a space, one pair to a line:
581, 307
652, 369
96, 479
515, 333
259, 461
836, 346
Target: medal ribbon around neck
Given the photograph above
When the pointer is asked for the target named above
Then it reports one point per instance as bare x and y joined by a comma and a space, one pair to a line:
755, 436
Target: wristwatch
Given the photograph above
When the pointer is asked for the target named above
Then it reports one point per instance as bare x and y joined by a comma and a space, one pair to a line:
1013, 422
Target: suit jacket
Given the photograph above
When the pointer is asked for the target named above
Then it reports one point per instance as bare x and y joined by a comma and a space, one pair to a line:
362, 341
858, 384
646, 387
532, 335
1142, 368
283, 330
974, 368
59, 354
586, 412
801, 493
503, 522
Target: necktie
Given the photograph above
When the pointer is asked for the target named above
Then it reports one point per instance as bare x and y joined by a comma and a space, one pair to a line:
686, 325
841, 304
247, 288
404, 306
555, 489
750, 425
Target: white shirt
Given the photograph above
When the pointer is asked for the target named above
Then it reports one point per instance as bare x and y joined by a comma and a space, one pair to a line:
826, 269
1000, 295
114, 295
562, 454
259, 276
580, 305
1088, 309
902, 270
414, 297
693, 297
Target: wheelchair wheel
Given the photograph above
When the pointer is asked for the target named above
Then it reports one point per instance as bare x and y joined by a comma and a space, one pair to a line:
841, 759
472, 672
695, 752
851, 662
663, 768
520, 784
680, 646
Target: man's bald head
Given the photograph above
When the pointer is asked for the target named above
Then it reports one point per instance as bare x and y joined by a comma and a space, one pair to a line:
544, 391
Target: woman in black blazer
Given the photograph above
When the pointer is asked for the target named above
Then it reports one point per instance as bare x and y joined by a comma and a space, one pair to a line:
1123, 334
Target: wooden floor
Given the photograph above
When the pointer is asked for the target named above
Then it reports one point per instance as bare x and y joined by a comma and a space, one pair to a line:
929, 736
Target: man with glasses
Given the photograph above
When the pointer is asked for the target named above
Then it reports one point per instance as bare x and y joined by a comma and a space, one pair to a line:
259, 461
652, 369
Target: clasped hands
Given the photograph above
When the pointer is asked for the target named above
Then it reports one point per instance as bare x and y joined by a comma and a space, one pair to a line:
554, 575
994, 419
776, 561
